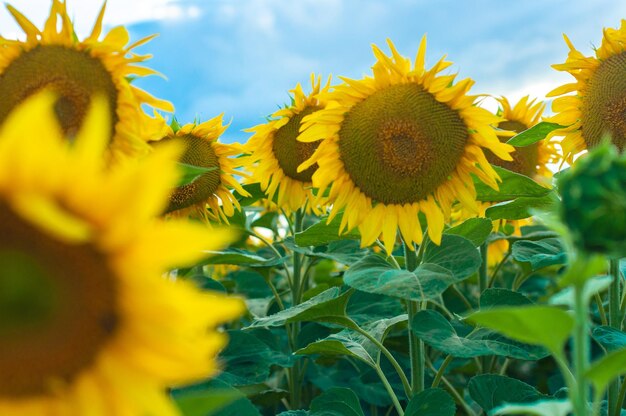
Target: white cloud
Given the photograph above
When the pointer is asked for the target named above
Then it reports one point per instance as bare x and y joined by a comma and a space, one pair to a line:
84, 13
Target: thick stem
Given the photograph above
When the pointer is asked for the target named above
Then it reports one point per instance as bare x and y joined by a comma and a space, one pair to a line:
295, 372
416, 346
615, 322
581, 351
483, 282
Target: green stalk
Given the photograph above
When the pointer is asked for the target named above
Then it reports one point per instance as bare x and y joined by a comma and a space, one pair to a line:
416, 346
614, 406
581, 351
483, 282
295, 372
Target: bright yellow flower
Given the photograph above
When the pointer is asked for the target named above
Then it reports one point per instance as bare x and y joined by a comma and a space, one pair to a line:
208, 196
598, 107
77, 70
88, 323
275, 154
399, 143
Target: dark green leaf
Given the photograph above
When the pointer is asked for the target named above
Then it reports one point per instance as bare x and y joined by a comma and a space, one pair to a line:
240, 258
493, 297
342, 251
374, 275
547, 326
541, 253
190, 173
213, 398
610, 338
491, 391
336, 402
369, 307
475, 230
321, 233
267, 220
294, 413
256, 194
431, 402
523, 207
534, 134
247, 359
436, 331
351, 343
513, 186
456, 254
328, 306
553, 407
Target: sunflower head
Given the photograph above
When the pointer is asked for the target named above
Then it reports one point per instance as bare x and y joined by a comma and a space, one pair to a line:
88, 324
54, 58
598, 108
399, 143
532, 160
275, 154
208, 196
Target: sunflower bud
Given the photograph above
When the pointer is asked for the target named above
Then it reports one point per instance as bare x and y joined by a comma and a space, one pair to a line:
594, 201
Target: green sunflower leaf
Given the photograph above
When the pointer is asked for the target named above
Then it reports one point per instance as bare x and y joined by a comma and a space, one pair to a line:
610, 338
491, 391
523, 207
213, 398
475, 230
354, 344
534, 134
513, 186
495, 297
541, 253
547, 326
431, 327
455, 253
189, 173
329, 306
553, 407
606, 369
431, 402
240, 257
256, 194
336, 401
322, 233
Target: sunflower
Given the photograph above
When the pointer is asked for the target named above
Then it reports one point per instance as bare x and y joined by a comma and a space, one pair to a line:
275, 154
208, 196
88, 325
531, 161
598, 107
76, 70
399, 143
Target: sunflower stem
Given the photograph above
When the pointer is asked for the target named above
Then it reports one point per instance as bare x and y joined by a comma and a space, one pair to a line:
581, 351
296, 373
614, 406
416, 346
483, 284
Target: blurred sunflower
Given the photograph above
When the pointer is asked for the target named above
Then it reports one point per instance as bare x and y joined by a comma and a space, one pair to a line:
208, 196
598, 107
88, 325
531, 161
275, 154
399, 143
76, 70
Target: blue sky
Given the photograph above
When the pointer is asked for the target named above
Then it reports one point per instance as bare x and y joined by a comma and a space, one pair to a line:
240, 57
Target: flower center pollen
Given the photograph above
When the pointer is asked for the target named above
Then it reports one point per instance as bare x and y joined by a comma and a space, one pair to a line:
289, 152
74, 75
400, 144
58, 306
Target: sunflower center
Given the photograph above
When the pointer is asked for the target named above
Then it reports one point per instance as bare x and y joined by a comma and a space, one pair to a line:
198, 152
400, 144
289, 152
74, 75
57, 308
604, 106
525, 159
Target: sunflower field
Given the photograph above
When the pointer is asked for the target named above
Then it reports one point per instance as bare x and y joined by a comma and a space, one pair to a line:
378, 246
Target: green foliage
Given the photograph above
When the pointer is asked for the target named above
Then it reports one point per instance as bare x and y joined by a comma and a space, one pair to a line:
539, 254
336, 402
513, 186
522, 207
534, 134
475, 230
322, 233
491, 391
431, 402
189, 173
